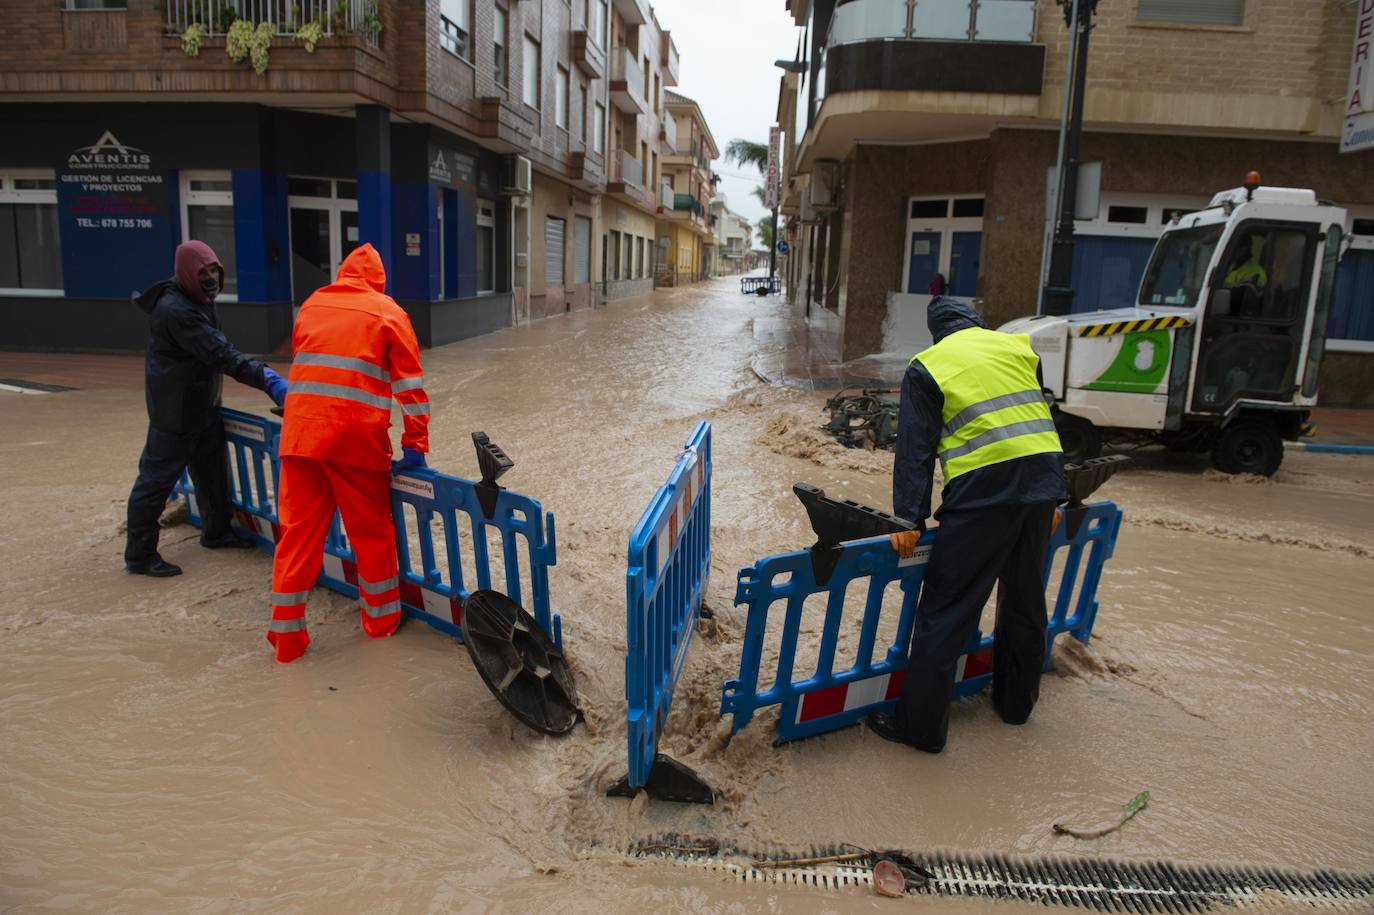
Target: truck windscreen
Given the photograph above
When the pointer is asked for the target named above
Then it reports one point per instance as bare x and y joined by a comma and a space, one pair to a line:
1178, 268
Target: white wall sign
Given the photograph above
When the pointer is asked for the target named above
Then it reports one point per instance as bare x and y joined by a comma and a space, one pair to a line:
1358, 132
1359, 95
772, 191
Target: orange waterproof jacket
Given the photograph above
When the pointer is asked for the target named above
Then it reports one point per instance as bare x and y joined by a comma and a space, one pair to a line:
354, 352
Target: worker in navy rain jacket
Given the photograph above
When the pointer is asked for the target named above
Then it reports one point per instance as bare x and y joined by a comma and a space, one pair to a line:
974, 400
187, 353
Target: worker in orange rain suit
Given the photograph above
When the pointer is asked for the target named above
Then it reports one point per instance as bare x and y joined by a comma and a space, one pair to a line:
354, 352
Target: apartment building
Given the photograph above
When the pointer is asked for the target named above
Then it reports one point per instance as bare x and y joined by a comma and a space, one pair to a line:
918, 139
733, 234
686, 244
644, 64
474, 143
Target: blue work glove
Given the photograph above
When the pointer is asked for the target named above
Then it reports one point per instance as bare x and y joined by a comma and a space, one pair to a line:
274, 385
410, 459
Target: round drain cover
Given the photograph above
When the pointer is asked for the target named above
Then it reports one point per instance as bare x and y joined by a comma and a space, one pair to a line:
519, 662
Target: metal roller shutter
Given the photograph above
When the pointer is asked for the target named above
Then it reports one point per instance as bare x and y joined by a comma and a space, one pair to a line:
582, 250
554, 235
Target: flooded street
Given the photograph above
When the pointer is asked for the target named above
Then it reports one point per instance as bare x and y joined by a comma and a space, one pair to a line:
155, 758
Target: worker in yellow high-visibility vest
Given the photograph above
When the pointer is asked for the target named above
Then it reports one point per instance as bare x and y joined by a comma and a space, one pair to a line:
975, 401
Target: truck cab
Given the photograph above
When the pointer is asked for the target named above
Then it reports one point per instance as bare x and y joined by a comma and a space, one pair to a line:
1223, 347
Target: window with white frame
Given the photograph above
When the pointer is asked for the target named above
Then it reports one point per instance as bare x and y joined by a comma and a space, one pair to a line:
30, 250
599, 129
560, 99
1350, 326
530, 70
501, 61
599, 23
207, 214
944, 237
1113, 248
455, 27
486, 247
1192, 12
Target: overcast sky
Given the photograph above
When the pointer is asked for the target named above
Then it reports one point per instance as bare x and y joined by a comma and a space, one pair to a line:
727, 49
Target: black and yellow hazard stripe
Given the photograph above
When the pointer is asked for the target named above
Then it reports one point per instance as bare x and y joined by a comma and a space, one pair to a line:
1133, 327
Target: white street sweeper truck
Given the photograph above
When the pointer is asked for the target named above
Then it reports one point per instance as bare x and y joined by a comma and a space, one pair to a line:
1221, 352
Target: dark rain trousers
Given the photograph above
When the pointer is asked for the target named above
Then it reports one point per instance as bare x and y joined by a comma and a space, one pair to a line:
165, 456
974, 550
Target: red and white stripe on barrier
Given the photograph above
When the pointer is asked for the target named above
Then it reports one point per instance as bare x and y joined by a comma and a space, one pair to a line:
258, 525
844, 697
441, 606
676, 520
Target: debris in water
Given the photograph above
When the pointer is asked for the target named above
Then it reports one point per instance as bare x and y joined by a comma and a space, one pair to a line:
866, 420
888, 879
1137, 804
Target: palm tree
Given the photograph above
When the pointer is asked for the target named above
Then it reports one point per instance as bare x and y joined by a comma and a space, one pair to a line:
746, 152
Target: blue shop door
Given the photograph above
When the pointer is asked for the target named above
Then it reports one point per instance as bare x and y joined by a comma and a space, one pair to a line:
1107, 271
1352, 307
925, 261
966, 253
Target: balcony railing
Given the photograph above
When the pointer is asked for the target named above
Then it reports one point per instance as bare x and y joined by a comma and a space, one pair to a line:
624, 68
626, 169
671, 62
668, 132
665, 196
286, 17
933, 20
688, 204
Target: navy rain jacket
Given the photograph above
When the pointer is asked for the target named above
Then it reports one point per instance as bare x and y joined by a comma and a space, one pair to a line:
1035, 478
187, 353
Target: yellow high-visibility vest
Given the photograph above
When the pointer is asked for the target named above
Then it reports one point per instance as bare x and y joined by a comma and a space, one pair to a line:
994, 409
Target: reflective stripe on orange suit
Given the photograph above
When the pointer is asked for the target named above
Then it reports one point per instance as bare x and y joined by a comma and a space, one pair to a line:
355, 352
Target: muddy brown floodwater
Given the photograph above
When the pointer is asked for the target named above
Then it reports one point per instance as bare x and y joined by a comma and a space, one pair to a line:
154, 758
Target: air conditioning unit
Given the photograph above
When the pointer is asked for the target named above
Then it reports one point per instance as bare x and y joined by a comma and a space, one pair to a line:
825, 185
808, 214
517, 175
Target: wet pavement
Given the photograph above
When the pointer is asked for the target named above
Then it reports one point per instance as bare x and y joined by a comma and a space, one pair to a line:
156, 759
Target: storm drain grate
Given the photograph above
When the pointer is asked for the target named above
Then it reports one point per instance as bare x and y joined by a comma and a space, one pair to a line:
1087, 883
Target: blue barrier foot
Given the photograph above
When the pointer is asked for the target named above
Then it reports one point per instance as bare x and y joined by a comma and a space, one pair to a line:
669, 780
519, 662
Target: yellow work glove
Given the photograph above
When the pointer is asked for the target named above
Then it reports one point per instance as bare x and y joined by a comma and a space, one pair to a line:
904, 543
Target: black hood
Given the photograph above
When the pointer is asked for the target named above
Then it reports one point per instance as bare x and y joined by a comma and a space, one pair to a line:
147, 300
945, 316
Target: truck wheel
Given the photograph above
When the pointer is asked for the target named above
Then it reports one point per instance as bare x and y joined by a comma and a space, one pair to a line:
1248, 447
1080, 439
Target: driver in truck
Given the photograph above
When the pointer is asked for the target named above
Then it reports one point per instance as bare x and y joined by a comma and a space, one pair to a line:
1249, 269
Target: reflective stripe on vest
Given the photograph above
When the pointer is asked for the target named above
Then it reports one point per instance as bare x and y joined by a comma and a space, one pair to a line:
341, 391
329, 360
993, 410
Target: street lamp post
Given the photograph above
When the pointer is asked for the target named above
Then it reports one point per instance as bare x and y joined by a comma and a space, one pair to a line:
1057, 298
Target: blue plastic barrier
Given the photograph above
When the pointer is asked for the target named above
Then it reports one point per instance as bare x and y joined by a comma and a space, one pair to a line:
669, 565
750, 285
434, 585
825, 700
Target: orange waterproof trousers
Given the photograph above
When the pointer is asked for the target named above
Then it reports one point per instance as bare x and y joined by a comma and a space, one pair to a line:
309, 491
